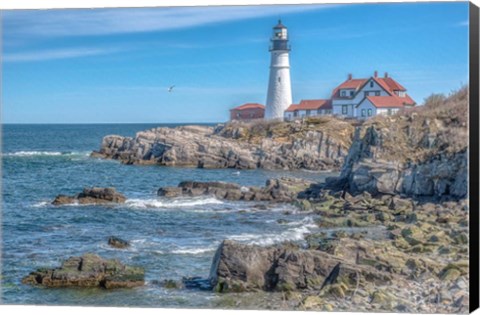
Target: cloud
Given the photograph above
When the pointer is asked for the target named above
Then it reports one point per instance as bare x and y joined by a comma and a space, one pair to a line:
80, 22
57, 54
464, 23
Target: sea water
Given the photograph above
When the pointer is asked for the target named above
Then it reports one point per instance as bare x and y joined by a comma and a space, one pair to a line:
170, 238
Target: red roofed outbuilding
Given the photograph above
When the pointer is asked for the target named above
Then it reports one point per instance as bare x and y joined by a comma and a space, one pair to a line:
309, 108
248, 111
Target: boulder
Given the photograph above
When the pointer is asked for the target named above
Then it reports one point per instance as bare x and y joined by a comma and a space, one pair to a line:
238, 267
117, 242
94, 195
88, 270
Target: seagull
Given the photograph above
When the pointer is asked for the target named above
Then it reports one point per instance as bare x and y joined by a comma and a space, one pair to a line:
171, 88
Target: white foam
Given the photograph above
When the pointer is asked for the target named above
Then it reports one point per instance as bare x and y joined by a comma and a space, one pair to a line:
170, 203
40, 204
303, 227
194, 250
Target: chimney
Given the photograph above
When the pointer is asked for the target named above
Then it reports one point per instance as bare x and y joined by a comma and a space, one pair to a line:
375, 74
349, 76
386, 75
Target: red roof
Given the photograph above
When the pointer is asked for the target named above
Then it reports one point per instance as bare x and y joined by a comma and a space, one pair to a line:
349, 84
292, 108
311, 105
388, 84
389, 101
249, 106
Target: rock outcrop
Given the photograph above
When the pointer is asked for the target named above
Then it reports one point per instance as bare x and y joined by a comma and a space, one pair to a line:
277, 190
421, 153
117, 242
316, 144
237, 267
94, 195
88, 270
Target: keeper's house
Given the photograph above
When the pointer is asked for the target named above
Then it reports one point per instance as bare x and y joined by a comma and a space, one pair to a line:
308, 108
248, 112
363, 98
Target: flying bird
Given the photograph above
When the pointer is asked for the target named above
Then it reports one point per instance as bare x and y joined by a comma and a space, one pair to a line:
171, 88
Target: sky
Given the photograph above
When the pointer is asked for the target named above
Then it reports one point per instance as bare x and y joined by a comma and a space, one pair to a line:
115, 65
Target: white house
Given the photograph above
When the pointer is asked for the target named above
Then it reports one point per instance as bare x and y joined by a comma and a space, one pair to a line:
363, 98
308, 108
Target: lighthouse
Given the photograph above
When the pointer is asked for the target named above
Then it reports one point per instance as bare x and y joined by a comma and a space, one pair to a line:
279, 95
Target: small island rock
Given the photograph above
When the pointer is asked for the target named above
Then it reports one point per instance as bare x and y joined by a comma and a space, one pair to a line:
88, 270
94, 195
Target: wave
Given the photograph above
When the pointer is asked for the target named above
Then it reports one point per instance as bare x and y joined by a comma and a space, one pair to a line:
171, 203
303, 227
194, 250
46, 154
41, 204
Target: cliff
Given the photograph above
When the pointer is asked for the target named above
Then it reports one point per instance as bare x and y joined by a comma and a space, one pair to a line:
315, 144
418, 152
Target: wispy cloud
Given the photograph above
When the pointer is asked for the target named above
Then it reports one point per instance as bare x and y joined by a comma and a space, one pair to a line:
463, 23
57, 54
115, 21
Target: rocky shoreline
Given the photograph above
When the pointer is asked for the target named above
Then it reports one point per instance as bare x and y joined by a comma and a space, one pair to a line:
417, 263
403, 176
317, 144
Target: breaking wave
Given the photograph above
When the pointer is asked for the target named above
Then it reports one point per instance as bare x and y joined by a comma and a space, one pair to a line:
297, 233
170, 203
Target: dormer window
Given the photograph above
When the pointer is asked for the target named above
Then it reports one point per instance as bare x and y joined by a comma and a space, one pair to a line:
344, 93
351, 93
371, 84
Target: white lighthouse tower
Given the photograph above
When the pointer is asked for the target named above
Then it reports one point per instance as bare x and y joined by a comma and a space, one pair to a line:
279, 96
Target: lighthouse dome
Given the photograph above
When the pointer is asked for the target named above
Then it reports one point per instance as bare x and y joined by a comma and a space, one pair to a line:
279, 26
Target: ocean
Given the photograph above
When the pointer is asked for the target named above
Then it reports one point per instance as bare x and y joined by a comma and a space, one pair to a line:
171, 239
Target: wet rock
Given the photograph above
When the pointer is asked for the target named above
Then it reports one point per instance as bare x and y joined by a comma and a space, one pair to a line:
94, 195
117, 242
278, 190
197, 283
171, 284
88, 270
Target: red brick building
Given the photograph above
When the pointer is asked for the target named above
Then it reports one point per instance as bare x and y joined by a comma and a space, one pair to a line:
247, 112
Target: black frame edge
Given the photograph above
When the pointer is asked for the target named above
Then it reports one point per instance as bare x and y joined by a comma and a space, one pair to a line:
473, 156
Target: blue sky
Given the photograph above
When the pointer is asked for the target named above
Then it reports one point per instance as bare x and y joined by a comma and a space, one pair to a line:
115, 65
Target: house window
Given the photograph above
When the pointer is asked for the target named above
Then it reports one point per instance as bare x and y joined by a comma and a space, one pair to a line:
377, 93
295, 113
371, 84
308, 112
344, 93
363, 112
319, 111
365, 93
328, 111
369, 112
344, 109
351, 93
389, 111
